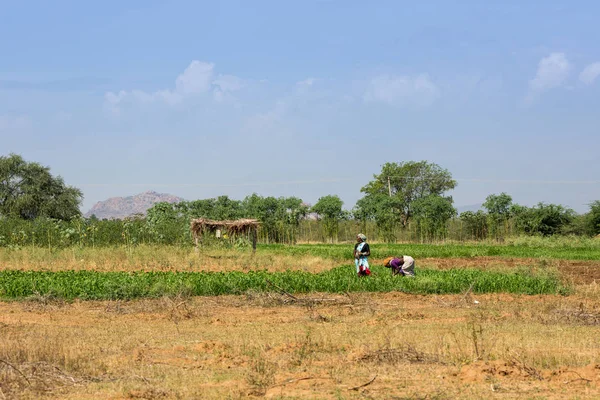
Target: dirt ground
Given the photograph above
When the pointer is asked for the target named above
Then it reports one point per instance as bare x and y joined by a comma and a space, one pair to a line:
322, 346
356, 346
577, 272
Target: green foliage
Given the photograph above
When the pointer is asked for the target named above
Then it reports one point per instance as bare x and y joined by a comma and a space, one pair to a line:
593, 218
498, 205
329, 209
543, 219
407, 182
526, 247
93, 285
382, 209
475, 224
29, 191
432, 214
280, 217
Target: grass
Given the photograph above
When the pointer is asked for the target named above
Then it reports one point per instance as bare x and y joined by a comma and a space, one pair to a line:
92, 285
530, 250
303, 257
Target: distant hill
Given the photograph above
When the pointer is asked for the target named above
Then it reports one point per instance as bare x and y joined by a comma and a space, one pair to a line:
121, 207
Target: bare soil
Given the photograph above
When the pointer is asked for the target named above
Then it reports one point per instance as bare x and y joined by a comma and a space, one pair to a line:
377, 346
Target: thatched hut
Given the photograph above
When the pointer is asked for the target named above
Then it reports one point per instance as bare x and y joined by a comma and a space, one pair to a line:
237, 227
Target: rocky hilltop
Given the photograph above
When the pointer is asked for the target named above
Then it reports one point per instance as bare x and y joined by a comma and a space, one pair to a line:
121, 207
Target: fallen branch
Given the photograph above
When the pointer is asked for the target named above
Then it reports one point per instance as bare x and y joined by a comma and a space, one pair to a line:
464, 298
296, 380
581, 378
365, 384
282, 291
16, 369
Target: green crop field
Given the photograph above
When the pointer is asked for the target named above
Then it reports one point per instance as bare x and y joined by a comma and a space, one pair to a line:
123, 285
341, 252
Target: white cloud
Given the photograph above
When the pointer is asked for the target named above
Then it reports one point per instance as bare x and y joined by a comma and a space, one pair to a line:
552, 72
224, 85
14, 123
402, 90
305, 86
196, 79
306, 82
590, 73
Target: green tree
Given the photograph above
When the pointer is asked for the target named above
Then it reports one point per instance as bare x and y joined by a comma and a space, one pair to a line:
28, 191
382, 209
329, 209
226, 208
594, 218
475, 224
432, 213
409, 181
542, 219
280, 217
498, 207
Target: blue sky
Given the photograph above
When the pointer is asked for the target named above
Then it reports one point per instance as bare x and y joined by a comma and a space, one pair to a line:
304, 98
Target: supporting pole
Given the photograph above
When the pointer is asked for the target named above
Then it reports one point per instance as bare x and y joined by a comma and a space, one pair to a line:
254, 234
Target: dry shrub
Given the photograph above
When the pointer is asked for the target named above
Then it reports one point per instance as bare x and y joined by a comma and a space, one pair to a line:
261, 375
437, 395
151, 393
266, 299
38, 362
575, 316
519, 361
404, 353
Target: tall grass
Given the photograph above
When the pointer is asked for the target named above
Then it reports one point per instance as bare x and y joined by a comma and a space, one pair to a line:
123, 285
531, 250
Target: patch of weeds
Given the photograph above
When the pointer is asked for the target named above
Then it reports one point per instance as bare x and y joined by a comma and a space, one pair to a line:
39, 301
261, 375
438, 395
151, 393
405, 353
576, 316
305, 352
518, 361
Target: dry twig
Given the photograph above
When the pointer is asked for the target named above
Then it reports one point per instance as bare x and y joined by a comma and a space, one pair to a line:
364, 384
16, 369
581, 378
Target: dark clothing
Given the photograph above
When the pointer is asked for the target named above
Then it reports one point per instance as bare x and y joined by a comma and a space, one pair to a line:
365, 248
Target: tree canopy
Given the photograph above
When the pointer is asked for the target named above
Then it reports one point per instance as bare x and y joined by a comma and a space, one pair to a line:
409, 181
498, 205
391, 196
28, 191
329, 208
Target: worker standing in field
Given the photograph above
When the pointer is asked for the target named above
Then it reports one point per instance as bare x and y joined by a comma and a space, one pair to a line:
404, 265
361, 254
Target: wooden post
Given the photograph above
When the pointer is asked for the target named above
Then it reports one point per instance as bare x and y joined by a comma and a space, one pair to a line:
254, 234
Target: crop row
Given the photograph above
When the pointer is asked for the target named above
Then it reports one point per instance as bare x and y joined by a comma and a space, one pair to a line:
92, 285
341, 252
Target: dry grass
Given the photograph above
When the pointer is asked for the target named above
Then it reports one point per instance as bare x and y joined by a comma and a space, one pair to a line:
165, 258
272, 346
156, 258
276, 346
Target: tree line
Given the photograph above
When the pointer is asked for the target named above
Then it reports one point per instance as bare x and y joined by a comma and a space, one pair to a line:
406, 199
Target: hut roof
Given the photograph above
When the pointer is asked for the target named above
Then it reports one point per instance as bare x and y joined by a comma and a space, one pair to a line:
239, 225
